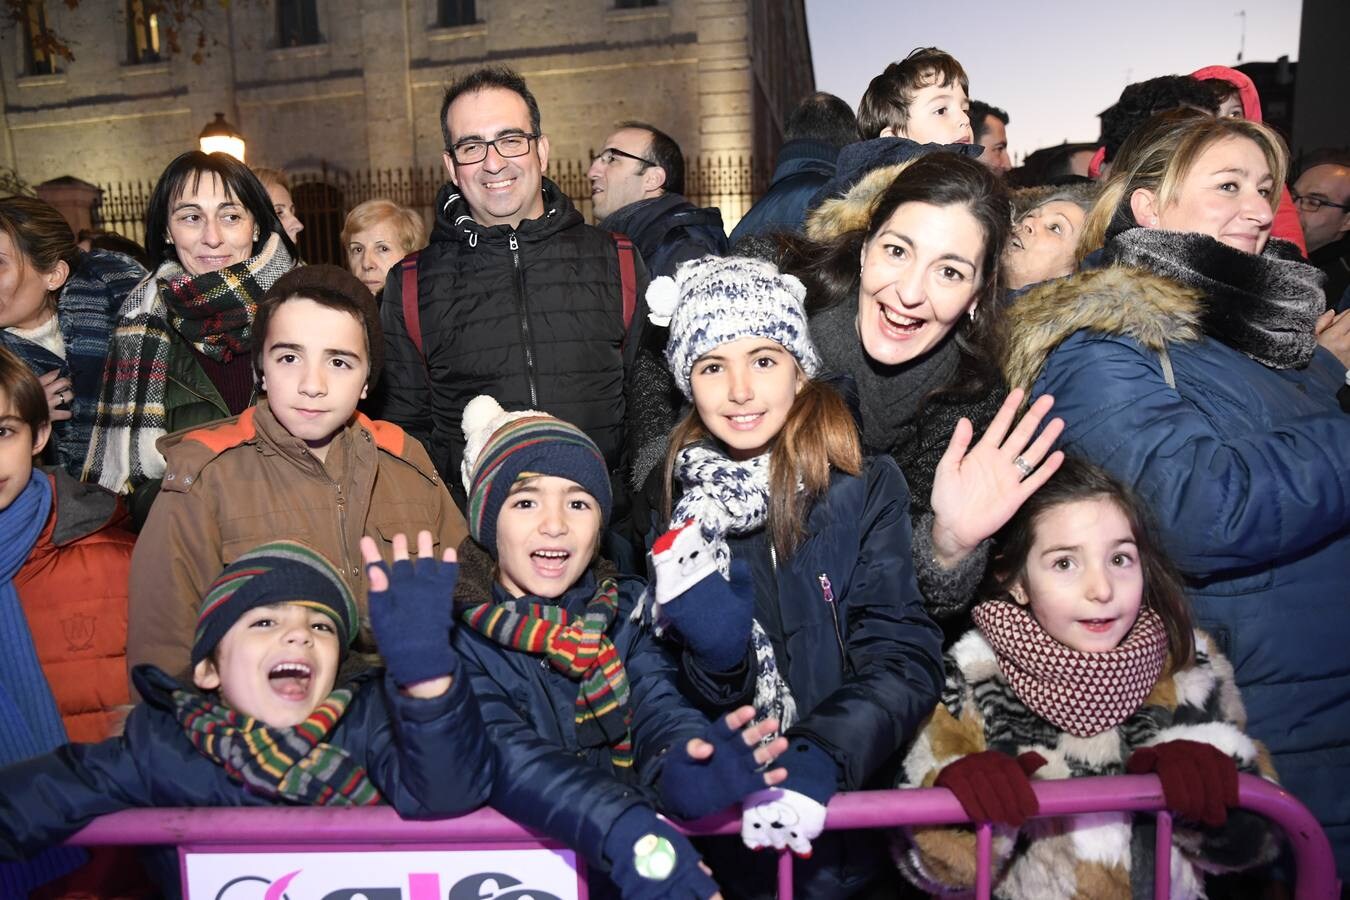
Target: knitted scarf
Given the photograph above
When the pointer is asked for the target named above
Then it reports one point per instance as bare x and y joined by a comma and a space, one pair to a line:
85, 312
578, 647
213, 311
727, 496
292, 764
890, 396
1081, 693
30, 722
1264, 306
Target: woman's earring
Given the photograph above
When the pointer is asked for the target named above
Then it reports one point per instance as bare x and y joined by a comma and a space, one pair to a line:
1153, 221
971, 312
256, 234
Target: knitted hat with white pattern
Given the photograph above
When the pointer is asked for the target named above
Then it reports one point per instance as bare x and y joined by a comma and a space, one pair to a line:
714, 300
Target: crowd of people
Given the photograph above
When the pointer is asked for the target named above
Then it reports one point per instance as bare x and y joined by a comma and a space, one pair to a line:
934, 472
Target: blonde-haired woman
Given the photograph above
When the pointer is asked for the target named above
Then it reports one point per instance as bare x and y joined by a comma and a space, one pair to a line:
1188, 368
376, 235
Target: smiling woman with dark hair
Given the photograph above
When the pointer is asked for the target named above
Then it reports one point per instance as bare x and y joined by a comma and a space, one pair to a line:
179, 353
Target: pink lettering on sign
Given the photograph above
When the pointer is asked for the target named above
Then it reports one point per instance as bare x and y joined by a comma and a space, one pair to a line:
423, 886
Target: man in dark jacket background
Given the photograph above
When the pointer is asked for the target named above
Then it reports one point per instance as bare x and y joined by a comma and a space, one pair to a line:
637, 189
515, 295
816, 129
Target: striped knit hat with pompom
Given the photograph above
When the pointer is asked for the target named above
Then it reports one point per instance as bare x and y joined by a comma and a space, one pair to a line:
501, 447
279, 572
714, 300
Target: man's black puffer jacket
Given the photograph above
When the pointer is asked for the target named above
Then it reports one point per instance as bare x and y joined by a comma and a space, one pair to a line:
532, 316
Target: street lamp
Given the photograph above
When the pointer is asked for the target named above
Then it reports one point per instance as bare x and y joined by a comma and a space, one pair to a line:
220, 137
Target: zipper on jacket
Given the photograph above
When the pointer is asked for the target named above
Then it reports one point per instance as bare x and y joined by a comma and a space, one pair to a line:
524, 322
827, 592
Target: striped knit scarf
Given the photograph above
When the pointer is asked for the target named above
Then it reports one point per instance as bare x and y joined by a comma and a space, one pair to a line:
579, 648
214, 312
293, 764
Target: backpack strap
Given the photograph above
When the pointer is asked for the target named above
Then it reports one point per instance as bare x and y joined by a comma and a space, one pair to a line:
627, 278
412, 316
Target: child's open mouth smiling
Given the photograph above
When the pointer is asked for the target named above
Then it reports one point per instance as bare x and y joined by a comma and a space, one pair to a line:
290, 680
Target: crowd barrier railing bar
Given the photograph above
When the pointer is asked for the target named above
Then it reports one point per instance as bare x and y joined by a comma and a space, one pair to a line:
318, 829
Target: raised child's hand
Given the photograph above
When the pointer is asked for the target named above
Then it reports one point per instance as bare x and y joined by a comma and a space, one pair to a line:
412, 609
721, 767
712, 615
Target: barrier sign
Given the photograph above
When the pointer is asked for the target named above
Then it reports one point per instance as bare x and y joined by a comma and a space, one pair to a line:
532, 874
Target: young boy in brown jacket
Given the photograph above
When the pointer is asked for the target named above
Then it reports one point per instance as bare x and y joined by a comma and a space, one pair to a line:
301, 464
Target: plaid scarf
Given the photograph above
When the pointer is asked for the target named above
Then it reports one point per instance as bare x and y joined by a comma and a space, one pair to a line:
1082, 693
578, 648
214, 312
293, 764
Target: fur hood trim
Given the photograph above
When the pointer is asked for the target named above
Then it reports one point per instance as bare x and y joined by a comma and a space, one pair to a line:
1116, 300
852, 211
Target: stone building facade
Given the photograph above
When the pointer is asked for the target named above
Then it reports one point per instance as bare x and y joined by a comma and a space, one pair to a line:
357, 84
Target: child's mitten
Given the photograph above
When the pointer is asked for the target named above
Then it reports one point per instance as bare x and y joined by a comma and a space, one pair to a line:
413, 617
712, 617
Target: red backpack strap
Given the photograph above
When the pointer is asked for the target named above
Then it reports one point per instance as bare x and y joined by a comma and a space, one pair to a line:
627, 278
412, 316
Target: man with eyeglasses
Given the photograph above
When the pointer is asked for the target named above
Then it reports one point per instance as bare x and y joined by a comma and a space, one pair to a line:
637, 188
1322, 196
515, 296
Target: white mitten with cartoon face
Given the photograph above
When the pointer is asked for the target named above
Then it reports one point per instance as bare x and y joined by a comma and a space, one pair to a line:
681, 559
780, 818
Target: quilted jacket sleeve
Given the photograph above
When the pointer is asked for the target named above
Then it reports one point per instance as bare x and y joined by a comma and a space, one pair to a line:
1225, 502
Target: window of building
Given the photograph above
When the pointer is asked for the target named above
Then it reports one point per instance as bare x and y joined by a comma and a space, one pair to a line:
142, 33
297, 23
635, 4
452, 13
39, 46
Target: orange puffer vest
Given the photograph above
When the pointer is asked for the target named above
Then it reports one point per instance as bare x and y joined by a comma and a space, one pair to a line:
73, 589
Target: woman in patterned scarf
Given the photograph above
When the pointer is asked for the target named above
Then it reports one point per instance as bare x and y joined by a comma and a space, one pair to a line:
1083, 661
179, 353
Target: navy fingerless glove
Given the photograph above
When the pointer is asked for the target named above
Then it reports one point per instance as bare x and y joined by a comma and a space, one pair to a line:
811, 771
692, 788
650, 860
412, 619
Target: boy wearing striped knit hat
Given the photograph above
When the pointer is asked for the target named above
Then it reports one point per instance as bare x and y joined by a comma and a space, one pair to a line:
591, 734
270, 719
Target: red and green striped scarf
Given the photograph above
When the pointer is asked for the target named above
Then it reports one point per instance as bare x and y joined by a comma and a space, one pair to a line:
579, 648
293, 764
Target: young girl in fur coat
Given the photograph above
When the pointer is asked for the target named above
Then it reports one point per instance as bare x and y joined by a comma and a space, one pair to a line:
1084, 662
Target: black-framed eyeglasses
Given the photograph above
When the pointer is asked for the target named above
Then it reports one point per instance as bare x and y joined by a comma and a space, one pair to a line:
1313, 204
508, 146
610, 154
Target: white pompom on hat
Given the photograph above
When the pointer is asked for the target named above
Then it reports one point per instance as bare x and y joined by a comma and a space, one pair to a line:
714, 300
481, 419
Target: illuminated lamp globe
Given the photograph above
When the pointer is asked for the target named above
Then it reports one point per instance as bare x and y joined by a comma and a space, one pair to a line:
220, 137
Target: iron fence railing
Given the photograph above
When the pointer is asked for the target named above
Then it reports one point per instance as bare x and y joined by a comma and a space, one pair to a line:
324, 195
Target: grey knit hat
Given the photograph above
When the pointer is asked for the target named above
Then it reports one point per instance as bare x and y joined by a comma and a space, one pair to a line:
713, 300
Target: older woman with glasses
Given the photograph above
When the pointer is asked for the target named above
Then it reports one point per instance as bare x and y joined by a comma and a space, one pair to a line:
179, 352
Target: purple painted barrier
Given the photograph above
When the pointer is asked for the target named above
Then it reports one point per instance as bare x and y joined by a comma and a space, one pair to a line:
333, 829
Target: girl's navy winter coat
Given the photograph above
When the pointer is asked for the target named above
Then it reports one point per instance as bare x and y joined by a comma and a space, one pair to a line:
428, 758
865, 669
545, 779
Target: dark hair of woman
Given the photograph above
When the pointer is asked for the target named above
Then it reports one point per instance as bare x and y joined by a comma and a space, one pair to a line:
831, 272
185, 173
1078, 480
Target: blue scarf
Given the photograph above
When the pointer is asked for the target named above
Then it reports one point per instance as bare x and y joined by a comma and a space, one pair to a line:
30, 722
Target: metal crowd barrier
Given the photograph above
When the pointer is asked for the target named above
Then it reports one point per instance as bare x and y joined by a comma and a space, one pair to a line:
313, 830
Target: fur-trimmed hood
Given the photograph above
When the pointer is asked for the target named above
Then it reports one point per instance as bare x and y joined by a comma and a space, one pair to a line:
1115, 300
853, 210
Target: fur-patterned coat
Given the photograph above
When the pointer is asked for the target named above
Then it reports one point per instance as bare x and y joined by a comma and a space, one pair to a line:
1098, 855
1247, 471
